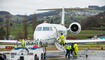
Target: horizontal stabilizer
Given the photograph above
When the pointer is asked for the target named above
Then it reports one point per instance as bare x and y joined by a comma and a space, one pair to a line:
85, 41
9, 41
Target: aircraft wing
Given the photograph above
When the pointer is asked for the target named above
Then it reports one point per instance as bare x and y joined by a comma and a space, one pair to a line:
85, 41
9, 41
65, 9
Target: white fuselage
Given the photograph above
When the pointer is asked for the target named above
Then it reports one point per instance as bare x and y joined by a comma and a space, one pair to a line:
48, 33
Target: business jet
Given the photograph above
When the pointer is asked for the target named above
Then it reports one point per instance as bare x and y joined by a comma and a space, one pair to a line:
49, 33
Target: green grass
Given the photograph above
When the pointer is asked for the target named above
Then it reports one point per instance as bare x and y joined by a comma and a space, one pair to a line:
79, 17
98, 27
91, 32
14, 30
30, 30
84, 34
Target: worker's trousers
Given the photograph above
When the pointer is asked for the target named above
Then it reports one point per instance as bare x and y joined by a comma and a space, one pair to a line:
75, 53
67, 53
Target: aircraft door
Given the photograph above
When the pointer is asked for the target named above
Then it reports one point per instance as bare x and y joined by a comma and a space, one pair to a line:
56, 32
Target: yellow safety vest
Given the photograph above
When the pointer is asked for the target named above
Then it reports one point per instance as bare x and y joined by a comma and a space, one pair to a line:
75, 48
62, 39
68, 47
23, 43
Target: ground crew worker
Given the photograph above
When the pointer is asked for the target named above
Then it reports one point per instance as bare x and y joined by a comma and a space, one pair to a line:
23, 43
75, 46
72, 48
68, 48
62, 39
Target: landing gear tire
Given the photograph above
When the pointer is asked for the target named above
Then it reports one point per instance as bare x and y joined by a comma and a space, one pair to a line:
36, 57
21, 57
42, 56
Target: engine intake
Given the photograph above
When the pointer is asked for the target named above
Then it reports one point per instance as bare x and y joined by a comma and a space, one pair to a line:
75, 28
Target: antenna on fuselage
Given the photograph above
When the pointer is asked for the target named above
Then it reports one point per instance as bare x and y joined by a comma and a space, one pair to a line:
63, 16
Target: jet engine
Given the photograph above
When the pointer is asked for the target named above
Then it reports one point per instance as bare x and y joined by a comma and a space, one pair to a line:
75, 28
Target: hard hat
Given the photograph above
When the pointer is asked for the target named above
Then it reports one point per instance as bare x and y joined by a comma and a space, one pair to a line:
61, 33
69, 44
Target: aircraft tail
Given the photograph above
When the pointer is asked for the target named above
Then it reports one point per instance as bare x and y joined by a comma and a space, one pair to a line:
63, 16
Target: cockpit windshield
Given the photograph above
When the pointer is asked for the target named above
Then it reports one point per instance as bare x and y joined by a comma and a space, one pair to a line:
39, 29
44, 29
47, 28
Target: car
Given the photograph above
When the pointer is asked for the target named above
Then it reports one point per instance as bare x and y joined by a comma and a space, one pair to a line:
102, 36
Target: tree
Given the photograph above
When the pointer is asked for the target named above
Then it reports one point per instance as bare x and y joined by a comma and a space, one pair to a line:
7, 27
2, 33
93, 21
34, 23
25, 27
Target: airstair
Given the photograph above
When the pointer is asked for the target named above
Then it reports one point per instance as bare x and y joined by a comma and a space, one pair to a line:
59, 46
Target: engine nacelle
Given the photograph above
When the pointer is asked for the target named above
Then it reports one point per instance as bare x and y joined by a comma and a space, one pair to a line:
75, 28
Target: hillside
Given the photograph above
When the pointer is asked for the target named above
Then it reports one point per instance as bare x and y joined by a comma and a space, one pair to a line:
52, 16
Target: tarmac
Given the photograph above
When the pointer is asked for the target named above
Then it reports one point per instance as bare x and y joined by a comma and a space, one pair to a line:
60, 55
82, 55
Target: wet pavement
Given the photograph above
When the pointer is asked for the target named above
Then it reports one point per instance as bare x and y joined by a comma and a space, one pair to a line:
92, 55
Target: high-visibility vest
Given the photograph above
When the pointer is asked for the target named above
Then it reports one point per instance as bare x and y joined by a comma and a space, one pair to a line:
62, 39
75, 47
23, 43
68, 47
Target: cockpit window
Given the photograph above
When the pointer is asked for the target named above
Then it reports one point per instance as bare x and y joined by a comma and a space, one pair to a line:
39, 29
47, 29
44, 29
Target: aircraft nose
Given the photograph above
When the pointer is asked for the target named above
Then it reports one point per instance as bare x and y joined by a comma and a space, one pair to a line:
42, 37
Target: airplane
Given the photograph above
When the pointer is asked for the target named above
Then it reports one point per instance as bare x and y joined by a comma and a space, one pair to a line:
48, 33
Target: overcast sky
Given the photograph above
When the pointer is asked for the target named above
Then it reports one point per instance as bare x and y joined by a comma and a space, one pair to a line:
29, 6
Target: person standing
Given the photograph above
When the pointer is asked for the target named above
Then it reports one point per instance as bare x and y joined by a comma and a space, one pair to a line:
75, 46
72, 48
62, 39
68, 48
23, 43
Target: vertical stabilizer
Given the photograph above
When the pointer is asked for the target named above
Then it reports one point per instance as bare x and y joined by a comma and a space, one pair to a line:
63, 16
